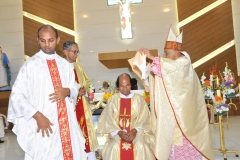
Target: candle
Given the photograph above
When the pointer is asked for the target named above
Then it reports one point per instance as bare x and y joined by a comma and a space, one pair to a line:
239, 87
217, 81
218, 93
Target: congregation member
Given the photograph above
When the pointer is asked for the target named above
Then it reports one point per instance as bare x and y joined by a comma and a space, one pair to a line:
179, 119
42, 104
126, 119
83, 111
106, 88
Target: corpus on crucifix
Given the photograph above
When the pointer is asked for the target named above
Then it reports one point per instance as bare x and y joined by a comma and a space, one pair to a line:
125, 16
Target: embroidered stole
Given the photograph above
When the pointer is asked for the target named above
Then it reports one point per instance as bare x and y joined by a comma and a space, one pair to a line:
124, 121
81, 118
62, 113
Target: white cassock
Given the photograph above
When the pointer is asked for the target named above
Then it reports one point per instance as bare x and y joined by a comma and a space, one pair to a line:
30, 93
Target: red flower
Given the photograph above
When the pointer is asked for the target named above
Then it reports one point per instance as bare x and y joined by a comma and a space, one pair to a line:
147, 99
218, 98
207, 82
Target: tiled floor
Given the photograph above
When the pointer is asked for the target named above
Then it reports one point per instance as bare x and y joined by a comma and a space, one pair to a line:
10, 150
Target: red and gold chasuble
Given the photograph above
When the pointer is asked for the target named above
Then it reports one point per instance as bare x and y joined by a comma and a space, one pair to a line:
124, 121
62, 113
81, 118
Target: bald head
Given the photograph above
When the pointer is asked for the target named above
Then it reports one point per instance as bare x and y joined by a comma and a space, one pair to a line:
124, 83
48, 27
48, 39
105, 84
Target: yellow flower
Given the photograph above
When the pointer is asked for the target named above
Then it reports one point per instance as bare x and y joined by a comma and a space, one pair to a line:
107, 96
145, 94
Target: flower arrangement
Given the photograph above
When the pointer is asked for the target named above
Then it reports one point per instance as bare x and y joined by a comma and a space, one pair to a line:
146, 96
207, 86
106, 96
213, 70
228, 82
220, 106
91, 92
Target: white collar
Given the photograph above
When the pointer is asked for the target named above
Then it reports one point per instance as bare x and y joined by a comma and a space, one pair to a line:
128, 96
71, 65
46, 56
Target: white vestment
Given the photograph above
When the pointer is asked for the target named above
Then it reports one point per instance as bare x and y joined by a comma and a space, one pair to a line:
30, 93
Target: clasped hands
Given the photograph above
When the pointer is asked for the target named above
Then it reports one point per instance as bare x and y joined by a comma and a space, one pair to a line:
128, 137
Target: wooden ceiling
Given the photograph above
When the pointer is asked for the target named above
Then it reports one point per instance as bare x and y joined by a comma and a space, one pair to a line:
208, 33
227, 56
57, 11
187, 8
200, 37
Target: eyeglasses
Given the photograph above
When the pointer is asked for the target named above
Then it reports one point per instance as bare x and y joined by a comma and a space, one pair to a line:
75, 51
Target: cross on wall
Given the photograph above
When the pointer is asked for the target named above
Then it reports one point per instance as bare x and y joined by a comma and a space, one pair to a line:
125, 16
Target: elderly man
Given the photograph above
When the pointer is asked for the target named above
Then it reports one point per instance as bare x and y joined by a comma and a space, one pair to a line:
83, 111
180, 122
126, 119
106, 88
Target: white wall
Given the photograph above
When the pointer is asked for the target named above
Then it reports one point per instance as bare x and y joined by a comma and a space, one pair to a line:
11, 33
100, 32
236, 28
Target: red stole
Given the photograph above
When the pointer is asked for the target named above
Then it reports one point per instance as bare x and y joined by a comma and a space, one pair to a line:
81, 118
62, 113
124, 122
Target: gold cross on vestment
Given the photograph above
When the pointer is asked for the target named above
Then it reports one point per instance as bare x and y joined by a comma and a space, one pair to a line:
125, 120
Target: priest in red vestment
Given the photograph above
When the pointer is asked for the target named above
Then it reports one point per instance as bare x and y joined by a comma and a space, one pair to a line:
126, 119
83, 111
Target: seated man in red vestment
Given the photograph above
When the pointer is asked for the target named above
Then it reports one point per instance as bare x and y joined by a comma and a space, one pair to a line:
126, 119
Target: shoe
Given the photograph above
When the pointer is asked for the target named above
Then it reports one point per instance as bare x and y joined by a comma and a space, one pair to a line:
1, 141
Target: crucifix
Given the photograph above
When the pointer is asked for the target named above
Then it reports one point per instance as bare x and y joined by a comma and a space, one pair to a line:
125, 16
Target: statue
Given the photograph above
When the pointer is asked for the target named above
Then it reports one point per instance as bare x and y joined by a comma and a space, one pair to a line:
125, 18
5, 73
